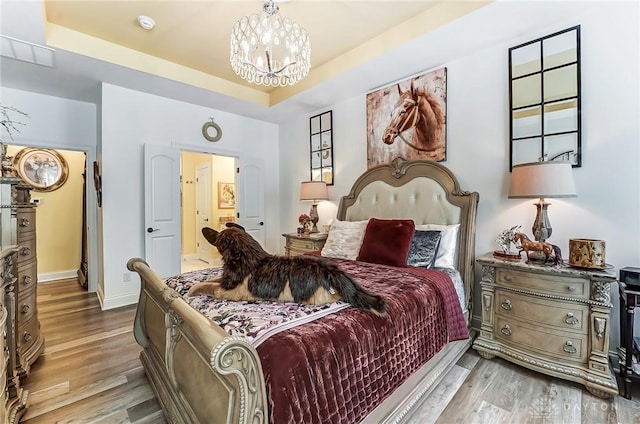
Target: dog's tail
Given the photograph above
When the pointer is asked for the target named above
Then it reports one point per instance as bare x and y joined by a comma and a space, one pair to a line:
354, 294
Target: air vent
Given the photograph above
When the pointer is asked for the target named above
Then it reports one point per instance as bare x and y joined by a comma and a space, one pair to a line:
27, 52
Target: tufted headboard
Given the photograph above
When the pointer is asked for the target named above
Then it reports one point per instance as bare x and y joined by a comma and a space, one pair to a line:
424, 191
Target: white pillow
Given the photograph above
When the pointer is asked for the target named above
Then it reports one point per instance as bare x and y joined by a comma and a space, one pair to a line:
344, 239
446, 255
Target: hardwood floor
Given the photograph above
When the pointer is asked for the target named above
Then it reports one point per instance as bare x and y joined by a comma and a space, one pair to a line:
90, 373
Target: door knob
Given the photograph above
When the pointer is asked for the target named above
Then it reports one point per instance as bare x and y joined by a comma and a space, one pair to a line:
151, 230
260, 223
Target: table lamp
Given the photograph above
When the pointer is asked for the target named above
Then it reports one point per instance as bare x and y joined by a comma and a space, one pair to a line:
314, 191
542, 179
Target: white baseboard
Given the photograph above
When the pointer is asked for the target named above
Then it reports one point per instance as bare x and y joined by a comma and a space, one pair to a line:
58, 275
117, 301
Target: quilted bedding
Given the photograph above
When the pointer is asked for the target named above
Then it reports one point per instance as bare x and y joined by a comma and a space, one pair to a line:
338, 368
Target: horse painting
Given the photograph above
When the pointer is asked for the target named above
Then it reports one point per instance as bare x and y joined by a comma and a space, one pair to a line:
527, 246
408, 120
418, 109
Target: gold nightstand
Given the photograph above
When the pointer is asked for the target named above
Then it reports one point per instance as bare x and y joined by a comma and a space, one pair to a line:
551, 319
299, 244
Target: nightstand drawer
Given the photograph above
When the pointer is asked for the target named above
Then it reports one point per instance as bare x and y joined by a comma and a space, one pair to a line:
557, 314
26, 222
548, 284
302, 244
552, 344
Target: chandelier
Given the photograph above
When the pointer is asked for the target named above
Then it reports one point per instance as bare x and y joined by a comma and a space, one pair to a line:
268, 49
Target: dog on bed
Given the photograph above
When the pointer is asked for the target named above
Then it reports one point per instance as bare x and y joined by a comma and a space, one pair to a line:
250, 273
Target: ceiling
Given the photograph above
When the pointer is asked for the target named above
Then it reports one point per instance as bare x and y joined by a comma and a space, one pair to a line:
356, 47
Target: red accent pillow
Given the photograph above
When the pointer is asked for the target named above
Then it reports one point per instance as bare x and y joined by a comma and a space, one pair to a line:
387, 241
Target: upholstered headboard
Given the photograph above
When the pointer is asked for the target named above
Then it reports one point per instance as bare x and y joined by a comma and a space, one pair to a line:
424, 191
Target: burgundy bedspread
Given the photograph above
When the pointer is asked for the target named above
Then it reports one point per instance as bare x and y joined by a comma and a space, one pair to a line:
338, 368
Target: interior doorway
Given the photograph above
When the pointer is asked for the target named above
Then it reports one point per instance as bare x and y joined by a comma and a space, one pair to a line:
62, 254
208, 199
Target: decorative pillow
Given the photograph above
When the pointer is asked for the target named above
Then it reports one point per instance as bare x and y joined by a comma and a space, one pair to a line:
344, 239
424, 248
446, 256
387, 241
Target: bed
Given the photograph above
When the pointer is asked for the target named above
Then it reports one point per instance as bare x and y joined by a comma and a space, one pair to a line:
202, 372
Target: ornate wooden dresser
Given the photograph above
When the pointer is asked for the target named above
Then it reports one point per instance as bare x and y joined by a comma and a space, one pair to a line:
552, 319
24, 340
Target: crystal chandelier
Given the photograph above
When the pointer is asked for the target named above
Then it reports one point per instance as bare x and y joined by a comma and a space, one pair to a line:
268, 49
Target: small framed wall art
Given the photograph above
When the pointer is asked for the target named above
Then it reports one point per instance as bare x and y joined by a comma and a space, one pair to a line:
44, 169
226, 196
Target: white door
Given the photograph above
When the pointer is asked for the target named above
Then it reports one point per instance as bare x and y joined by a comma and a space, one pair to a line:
203, 211
251, 197
162, 209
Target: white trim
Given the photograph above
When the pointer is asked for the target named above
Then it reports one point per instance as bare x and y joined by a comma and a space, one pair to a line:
189, 257
118, 301
58, 275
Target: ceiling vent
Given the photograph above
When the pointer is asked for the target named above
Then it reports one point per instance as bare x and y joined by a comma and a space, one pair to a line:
27, 52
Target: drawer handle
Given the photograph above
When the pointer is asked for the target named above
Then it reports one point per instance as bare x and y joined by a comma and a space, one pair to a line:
507, 278
570, 319
506, 330
26, 280
506, 305
26, 336
25, 251
568, 347
25, 308
24, 222
571, 288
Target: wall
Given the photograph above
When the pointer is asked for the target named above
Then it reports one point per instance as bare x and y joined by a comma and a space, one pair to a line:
68, 125
608, 183
59, 247
131, 119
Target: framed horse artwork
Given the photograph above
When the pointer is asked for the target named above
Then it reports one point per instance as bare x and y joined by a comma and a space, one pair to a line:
408, 119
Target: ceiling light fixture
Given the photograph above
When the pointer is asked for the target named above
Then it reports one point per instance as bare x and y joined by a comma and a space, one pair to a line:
268, 49
146, 22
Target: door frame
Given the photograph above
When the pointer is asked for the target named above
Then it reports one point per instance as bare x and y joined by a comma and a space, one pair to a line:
199, 238
92, 232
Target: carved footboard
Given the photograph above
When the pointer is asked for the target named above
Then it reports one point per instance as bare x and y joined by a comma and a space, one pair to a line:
198, 372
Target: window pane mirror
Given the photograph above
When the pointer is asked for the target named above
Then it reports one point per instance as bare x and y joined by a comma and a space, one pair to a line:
544, 99
321, 127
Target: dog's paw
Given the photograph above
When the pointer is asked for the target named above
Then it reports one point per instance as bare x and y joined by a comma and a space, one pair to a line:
207, 289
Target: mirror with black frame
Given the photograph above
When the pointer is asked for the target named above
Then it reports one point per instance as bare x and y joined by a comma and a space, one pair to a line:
544, 99
321, 134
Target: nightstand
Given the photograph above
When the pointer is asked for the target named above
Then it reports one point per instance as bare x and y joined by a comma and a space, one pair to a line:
551, 319
299, 244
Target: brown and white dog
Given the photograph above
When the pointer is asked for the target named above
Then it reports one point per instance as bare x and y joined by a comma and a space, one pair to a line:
250, 273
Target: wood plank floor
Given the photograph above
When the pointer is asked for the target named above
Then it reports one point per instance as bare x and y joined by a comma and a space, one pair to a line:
90, 373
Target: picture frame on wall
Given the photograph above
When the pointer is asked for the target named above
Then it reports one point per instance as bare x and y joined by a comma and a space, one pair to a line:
408, 119
226, 195
43, 169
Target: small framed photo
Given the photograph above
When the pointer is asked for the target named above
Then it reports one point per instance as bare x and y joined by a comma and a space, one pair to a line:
226, 195
44, 169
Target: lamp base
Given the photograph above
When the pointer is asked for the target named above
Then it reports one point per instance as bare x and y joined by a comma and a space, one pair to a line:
541, 226
313, 214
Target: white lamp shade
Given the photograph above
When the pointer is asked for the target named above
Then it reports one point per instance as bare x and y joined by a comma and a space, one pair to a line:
314, 190
542, 179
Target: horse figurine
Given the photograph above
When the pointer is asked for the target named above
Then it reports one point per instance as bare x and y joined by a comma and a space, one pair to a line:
547, 249
419, 109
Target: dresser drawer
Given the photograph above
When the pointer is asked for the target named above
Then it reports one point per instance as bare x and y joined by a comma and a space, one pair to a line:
301, 244
547, 284
27, 334
27, 275
27, 251
26, 222
558, 345
26, 304
558, 314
